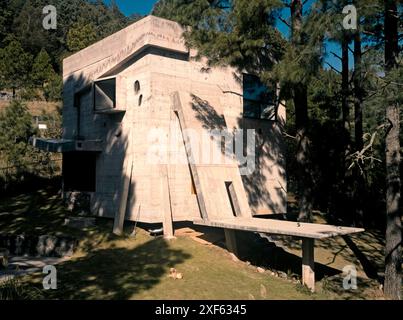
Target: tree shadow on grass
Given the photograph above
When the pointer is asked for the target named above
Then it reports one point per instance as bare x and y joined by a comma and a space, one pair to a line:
262, 253
116, 273
38, 212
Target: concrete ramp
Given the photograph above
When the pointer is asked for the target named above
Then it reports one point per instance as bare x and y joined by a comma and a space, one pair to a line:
303, 230
219, 187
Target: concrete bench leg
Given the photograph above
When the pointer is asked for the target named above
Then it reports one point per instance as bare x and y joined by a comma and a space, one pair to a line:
308, 263
230, 241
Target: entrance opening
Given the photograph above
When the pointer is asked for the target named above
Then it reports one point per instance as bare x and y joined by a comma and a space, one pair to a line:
79, 171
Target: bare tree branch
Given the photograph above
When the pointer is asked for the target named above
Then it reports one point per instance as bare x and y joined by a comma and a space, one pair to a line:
333, 68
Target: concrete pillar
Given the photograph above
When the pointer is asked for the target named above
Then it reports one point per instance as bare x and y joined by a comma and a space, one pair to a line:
124, 193
308, 263
167, 222
230, 241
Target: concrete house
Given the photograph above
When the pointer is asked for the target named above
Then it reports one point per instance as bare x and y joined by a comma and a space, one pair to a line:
155, 136
118, 107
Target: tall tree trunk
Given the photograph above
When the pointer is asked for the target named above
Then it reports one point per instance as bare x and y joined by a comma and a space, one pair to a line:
303, 154
346, 128
393, 253
358, 129
345, 86
358, 92
302, 121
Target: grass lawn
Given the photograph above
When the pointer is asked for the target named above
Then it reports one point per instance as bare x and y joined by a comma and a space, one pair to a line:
110, 267
123, 268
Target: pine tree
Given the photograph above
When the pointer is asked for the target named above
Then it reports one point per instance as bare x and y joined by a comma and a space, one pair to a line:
28, 30
8, 10
300, 98
42, 70
295, 71
80, 36
238, 33
14, 66
53, 88
15, 130
393, 250
368, 11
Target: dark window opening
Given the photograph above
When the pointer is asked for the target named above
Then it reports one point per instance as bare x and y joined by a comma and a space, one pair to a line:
259, 101
105, 94
140, 100
136, 87
79, 171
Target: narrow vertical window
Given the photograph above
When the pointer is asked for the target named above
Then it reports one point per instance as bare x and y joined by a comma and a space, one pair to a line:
258, 99
136, 87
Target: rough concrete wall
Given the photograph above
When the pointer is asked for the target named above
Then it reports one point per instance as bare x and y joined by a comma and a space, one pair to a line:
201, 98
267, 186
97, 61
168, 75
146, 201
211, 98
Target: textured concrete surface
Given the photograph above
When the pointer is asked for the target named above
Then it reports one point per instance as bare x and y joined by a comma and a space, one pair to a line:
151, 55
303, 230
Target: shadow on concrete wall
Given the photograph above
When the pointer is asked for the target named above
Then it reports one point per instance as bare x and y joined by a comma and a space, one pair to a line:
109, 129
269, 142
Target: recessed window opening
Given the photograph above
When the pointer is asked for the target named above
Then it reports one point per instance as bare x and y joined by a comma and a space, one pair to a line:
136, 87
105, 94
259, 101
140, 100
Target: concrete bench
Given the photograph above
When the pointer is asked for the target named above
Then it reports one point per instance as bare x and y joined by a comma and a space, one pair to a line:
308, 232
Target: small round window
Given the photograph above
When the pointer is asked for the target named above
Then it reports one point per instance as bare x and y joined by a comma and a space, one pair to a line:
140, 100
136, 87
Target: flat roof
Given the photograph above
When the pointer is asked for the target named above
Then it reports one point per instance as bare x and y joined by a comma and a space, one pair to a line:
112, 50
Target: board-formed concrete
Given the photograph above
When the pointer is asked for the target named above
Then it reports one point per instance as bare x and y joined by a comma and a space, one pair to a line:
279, 227
159, 126
147, 63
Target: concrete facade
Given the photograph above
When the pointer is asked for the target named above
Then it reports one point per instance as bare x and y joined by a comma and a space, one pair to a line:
148, 68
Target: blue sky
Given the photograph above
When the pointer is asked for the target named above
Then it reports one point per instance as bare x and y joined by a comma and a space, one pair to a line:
144, 7
134, 6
